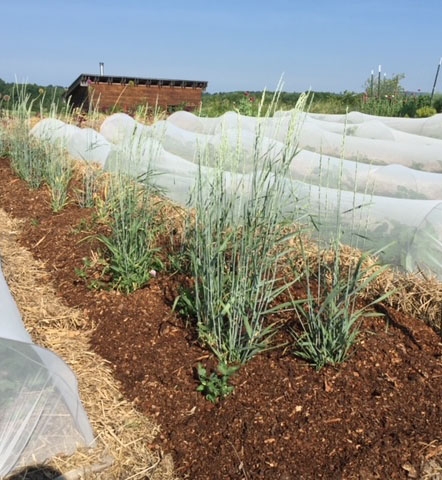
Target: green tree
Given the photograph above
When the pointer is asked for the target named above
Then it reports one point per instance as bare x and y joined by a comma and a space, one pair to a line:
385, 87
387, 97
44, 98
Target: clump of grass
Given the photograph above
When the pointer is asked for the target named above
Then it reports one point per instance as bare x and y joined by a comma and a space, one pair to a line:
330, 315
28, 158
237, 241
28, 155
90, 184
58, 175
3, 140
132, 213
35, 161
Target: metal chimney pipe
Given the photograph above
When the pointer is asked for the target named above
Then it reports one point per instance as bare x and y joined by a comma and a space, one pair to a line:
101, 68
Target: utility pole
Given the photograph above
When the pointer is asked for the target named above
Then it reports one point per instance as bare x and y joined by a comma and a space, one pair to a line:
435, 81
379, 81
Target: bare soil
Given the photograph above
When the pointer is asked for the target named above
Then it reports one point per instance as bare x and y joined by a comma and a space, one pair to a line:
378, 416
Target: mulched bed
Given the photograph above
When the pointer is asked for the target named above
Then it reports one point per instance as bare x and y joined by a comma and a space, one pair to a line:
378, 416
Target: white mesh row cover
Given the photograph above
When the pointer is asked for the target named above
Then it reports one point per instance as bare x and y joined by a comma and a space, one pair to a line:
391, 175
81, 143
40, 411
426, 127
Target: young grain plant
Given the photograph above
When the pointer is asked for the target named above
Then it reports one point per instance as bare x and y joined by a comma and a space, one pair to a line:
91, 177
27, 155
336, 278
34, 160
132, 205
58, 174
237, 238
132, 254
3, 142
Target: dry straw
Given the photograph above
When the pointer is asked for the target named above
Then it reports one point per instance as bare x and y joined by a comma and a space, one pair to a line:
414, 293
124, 436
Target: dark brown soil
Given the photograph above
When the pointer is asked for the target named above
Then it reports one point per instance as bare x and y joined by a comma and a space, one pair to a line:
378, 416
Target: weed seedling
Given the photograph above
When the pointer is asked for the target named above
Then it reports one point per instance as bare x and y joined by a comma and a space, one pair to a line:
216, 385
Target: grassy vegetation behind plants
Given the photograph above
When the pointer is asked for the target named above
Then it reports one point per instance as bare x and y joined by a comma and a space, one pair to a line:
386, 98
44, 98
390, 100
401, 104
248, 103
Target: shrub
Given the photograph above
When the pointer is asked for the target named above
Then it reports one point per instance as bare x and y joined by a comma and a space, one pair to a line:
437, 103
426, 111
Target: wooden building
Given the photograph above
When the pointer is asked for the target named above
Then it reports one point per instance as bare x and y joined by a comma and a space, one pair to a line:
109, 93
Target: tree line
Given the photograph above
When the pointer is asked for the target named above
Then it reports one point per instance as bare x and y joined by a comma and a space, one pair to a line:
385, 98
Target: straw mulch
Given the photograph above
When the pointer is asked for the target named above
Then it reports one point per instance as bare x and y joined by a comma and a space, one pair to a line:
123, 436
416, 294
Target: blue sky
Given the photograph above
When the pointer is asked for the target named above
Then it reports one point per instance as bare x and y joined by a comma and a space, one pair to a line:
325, 45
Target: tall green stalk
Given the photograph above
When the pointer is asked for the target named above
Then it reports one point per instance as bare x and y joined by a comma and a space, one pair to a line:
131, 243
90, 176
238, 242
58, 175
330, 316
27, 154
3, 141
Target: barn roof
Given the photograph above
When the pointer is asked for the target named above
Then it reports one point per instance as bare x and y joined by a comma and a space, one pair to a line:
86, 79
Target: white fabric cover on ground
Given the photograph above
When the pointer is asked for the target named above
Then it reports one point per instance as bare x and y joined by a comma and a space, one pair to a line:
389, 169
81, 143
426, 127
40, 411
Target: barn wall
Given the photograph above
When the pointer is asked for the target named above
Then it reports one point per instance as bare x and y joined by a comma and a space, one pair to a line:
128, 97
79, 98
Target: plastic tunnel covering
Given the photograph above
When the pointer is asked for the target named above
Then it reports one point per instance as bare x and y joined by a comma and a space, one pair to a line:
390, 169
40, 411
